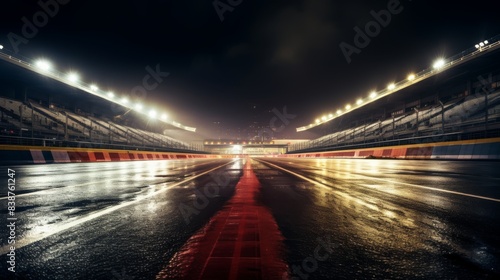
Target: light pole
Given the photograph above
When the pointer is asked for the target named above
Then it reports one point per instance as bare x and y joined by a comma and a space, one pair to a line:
21, 119
442, 115
481, 45
486, 92
32, 121
380, 127
364, 132
416, 124
66, 128
393, 132
90, 131
109, 134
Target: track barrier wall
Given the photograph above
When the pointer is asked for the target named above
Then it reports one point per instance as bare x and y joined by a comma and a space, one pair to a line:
458, 150
481, 149
41, 155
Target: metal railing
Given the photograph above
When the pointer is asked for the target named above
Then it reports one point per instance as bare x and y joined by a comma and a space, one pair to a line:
34, 133
53, 142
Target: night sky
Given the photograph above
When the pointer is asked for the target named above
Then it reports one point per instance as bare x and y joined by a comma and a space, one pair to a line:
262, 55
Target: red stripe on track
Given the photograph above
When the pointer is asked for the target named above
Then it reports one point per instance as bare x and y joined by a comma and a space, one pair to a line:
241, 241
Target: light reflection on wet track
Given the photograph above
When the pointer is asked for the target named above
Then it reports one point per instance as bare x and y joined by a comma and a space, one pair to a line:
385, 219
389, 219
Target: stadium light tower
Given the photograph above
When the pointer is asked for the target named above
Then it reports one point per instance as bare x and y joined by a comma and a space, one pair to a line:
73, 77
1, 47
481, 45
438, 64
43, 64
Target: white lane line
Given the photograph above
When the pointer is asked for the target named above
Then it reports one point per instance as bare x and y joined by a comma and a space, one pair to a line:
297, 175
433, 189
395, 182
32, 239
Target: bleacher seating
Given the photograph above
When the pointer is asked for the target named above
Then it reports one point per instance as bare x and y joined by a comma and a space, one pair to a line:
50, 123
463, 111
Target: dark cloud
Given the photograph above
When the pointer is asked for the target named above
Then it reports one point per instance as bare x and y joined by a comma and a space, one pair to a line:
297, 32
238, 50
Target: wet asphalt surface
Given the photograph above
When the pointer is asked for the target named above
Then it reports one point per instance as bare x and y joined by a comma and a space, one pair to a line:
341, 218
380, 223
132, 242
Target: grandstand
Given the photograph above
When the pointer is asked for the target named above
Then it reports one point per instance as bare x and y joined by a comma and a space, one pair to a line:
30, 123
459, 104
459, 116
459, 100
42, 109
